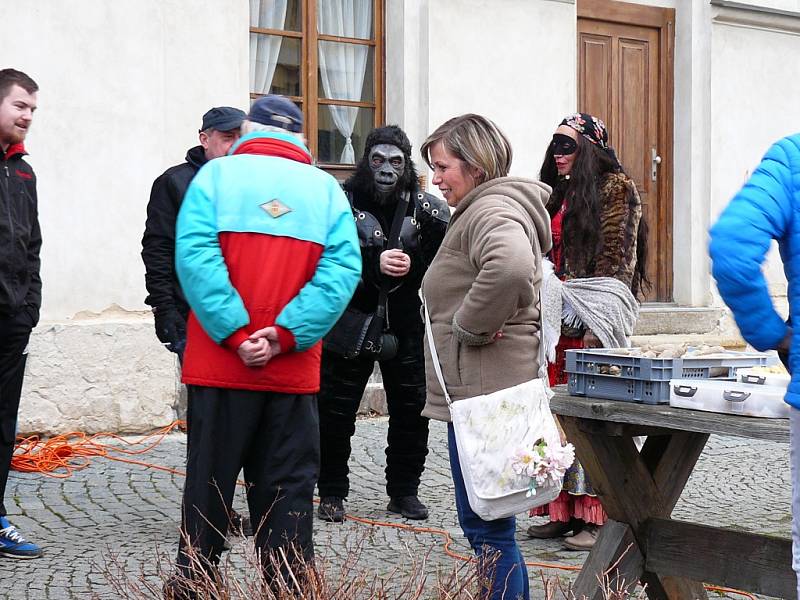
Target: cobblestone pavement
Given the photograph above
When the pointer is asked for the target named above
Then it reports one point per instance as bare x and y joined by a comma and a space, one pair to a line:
132, 513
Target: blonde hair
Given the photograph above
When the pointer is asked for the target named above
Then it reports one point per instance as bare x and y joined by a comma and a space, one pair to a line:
477, 141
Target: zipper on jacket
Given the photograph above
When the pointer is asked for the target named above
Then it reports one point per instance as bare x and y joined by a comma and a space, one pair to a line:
8, 203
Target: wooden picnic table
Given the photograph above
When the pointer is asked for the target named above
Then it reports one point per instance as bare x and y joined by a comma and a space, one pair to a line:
639, 490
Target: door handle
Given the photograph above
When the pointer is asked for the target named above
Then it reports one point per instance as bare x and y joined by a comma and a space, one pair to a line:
655, 160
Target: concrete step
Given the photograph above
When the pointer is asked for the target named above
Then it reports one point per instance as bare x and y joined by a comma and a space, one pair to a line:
693, 339
669, 319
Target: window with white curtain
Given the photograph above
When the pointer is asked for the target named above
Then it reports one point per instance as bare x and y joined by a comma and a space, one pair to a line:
327, 56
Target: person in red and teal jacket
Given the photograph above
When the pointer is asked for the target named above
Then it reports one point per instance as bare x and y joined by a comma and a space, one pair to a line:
268, 258
767, 208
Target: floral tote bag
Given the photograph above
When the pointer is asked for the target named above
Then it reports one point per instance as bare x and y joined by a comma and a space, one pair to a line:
508, 444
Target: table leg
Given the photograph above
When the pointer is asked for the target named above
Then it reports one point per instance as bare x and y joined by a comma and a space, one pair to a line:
615, 540
634, 488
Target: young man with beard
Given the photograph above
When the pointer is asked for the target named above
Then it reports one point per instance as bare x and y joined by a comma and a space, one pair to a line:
383, 176
20, 284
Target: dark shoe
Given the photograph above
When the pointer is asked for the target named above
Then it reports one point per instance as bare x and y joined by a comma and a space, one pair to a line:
408, 506
240, 525
331, 508
585, 540
13, 545
554, 529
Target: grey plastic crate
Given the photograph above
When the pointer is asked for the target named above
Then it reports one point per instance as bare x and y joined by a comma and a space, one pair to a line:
646, 380
662, 369
616, 388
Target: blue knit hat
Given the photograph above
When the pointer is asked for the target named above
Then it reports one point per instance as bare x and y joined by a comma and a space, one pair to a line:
277, 111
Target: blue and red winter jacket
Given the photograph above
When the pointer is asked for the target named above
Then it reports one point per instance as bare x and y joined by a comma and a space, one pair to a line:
767, 208
263, 238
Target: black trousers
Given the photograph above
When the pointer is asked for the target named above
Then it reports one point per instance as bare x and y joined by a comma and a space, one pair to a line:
274, 438
15, 331
342, 386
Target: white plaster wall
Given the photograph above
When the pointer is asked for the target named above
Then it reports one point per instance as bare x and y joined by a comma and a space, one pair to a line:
755, 87
102, 374
407, 69
513, 61
123, 87
787, 5
691, 154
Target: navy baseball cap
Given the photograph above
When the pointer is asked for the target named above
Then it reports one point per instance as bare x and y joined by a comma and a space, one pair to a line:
223, 118
277, 111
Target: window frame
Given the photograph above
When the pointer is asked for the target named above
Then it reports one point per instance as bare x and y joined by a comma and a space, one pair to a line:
310, 100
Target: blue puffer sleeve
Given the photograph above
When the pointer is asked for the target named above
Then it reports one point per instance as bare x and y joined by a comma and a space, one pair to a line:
740, 240
320, 303
201, 268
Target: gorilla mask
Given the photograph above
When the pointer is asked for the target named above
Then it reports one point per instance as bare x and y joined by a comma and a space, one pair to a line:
388, 163
385, 170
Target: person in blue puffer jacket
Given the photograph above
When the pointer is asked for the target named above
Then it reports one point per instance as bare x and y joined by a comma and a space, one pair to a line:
767, 208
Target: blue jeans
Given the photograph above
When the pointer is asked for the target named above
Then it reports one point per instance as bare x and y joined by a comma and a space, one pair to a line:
510, 581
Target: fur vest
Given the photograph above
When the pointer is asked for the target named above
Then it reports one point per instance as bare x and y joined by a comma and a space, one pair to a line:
615, 253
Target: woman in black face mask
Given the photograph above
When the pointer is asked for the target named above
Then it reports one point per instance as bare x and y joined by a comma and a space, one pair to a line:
598, 231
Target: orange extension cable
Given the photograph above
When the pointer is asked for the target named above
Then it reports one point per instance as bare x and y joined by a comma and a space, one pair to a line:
73, 451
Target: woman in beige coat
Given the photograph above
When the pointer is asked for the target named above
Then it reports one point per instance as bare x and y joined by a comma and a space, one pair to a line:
482, 295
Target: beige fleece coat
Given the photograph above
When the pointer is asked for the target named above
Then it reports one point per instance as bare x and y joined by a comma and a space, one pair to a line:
484, 279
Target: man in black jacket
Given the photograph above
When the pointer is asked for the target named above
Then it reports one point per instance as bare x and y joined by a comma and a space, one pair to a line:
20, 284
220, 129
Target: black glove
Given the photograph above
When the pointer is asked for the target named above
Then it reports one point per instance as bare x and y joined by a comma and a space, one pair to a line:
170, 328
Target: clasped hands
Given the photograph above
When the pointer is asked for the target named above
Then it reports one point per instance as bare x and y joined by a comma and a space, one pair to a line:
262, 346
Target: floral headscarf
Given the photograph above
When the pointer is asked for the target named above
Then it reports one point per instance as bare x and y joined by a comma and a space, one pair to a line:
592, 128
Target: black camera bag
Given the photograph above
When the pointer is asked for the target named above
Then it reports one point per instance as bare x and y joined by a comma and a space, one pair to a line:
359, 334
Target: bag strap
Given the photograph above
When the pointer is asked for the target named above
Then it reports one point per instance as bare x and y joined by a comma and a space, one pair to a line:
397, 222
394, 242
544, 376
434, 355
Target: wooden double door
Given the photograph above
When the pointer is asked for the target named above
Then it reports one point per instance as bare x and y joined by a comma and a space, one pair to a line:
625, 77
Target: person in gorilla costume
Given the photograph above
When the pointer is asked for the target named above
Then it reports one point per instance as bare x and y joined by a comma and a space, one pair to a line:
383, 175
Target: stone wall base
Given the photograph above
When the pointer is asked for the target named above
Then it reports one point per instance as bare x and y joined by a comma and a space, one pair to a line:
109, 373
103, 373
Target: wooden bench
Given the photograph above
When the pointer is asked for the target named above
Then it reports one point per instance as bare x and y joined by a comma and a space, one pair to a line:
639, 490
